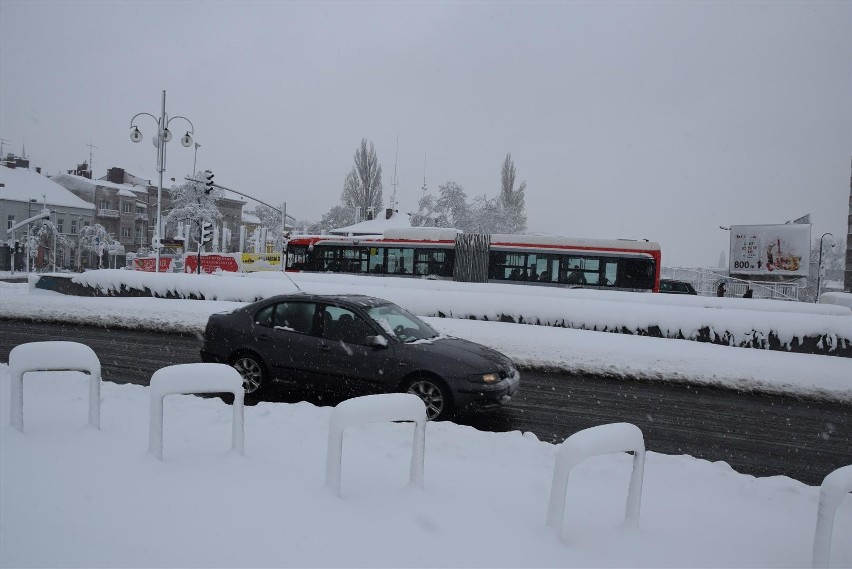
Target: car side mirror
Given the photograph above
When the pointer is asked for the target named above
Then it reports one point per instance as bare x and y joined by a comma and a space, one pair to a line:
377, 342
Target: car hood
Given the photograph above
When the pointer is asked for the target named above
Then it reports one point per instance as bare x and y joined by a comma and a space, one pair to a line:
477, 357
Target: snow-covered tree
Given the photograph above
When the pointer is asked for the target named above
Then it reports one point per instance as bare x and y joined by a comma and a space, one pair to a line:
93, 239
448, 209
362, 186
271, 219
192, 204
43, 232
338, 216
514, 216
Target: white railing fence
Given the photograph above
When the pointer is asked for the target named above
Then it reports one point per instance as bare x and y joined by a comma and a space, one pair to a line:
706, 282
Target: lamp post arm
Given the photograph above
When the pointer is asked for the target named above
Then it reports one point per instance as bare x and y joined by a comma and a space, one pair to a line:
140, 114
191, 127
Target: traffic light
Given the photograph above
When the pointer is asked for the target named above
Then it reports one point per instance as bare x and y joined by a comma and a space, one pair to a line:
208, 181
206, 231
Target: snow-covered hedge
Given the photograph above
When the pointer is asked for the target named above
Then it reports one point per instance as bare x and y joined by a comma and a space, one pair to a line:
753, 323
838, 298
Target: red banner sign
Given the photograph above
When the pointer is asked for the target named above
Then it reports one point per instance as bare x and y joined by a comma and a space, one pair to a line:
209, 263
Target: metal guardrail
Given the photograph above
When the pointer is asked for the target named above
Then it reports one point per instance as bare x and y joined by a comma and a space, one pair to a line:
706, 282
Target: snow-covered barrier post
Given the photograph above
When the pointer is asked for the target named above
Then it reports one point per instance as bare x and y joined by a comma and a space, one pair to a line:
190, 379
833, 489
53, 356
375, 409
594, 441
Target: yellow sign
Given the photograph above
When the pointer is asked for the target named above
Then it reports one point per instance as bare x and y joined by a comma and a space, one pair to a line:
261, 262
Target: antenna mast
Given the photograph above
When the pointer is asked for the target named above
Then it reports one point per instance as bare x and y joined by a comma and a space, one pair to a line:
395, 181
91, 157
424, 172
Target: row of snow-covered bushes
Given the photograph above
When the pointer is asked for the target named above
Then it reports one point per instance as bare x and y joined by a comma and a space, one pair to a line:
751, 323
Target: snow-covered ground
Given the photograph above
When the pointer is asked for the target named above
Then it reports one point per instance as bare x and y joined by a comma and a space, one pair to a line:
72, 496
575, 351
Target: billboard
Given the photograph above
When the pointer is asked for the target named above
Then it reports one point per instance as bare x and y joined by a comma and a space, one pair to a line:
764, 250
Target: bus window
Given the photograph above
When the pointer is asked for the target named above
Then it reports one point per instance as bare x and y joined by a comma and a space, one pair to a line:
507, 266
433, 262
377, 260
400, 261
591, 271
547, 269
297, 257
326, 259
636, 273
610, 273
354, 259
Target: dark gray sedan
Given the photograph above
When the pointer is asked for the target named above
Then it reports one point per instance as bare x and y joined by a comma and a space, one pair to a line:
357, 345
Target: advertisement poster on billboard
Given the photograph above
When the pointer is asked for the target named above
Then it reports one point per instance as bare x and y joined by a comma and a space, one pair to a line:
764, 250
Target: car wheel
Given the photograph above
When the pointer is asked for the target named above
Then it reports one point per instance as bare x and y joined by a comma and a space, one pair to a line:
435, 395
252, 370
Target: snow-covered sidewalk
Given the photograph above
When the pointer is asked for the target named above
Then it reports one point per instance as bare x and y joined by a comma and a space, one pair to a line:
72, 496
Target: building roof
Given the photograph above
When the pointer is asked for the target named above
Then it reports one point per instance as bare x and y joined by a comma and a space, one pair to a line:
250, 218
23, 184
375, 226
82, 184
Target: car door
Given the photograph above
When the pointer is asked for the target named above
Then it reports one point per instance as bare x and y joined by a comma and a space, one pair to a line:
288, 339
347, 364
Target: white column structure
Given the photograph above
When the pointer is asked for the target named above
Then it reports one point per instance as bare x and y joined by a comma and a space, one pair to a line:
594, 441
189, 379
53, 356
832, 491
375, 409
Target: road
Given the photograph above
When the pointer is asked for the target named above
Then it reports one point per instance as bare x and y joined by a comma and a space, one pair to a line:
756, 434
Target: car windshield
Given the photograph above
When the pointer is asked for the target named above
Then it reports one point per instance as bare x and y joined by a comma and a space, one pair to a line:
400, 324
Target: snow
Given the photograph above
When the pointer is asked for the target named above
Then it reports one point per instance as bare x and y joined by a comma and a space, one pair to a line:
375, 226
23, 184
373, 409
194, 378
249, 218
832, 492
838, 298
595, 441
569, 350
75, 497
81, 183
53, 356
732, 319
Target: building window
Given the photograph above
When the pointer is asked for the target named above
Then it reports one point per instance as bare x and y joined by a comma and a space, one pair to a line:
127, 207
73, 227
140, 209
125, 232
104, 204
11, 222
60, 225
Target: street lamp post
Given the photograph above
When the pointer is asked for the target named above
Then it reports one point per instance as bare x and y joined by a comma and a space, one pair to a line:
819, 263
29, 215
195, 159
164, 135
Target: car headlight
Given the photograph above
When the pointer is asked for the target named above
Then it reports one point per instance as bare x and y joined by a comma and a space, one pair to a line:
484, 378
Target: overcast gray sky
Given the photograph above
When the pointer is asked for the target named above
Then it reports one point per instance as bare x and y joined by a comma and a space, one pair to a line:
655, 120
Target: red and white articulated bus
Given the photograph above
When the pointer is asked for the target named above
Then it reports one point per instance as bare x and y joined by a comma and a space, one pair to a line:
449, 254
